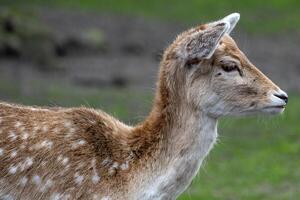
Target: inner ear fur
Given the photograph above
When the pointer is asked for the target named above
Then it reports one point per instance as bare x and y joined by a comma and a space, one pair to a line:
202, 44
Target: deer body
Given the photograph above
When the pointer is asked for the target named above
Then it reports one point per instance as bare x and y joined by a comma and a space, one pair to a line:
68, 154
81, 153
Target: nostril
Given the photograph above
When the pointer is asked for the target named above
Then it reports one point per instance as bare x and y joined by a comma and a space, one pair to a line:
282, 96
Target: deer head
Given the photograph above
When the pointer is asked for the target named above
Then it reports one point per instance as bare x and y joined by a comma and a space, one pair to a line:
206, 70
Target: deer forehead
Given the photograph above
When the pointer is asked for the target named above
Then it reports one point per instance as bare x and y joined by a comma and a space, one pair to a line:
228, 50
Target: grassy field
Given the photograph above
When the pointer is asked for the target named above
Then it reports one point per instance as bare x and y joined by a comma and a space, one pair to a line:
256, 158
258, 16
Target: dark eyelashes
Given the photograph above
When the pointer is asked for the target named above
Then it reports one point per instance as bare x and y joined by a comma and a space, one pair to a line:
227, 67
231, 67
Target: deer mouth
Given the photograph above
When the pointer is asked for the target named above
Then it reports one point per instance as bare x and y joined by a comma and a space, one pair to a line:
274, 109
279, 107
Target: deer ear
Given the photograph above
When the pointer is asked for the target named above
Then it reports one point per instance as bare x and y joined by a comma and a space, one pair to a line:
232, 19
202, 44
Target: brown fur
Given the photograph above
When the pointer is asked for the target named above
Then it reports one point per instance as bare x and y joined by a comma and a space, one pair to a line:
70, 148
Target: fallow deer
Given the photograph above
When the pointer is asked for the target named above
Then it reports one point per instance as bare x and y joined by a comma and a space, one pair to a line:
83, 153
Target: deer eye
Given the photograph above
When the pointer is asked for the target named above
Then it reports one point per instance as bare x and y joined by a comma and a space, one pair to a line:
230, 67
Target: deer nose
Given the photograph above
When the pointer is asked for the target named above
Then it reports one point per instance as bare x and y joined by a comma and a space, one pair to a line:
282, 95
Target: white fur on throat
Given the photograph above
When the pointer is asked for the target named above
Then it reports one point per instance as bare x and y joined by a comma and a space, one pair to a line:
179, 168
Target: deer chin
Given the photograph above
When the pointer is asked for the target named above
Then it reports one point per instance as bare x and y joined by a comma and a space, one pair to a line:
273, 110
267, 110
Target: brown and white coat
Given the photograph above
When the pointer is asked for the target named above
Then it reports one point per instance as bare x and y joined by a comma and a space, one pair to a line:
82, 153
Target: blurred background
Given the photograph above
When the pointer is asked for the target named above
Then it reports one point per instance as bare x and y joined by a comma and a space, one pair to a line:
105, 54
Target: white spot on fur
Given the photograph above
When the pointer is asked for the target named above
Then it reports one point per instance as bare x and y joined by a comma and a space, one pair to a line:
124, 166
18, 124
113, 168
77, 144
95, 178
12, 135
27, 163
81, 142
25, 136
56, 196
23, 181
105, 198
59, 158
56, 130
7, 197
46, 143
93, 162
35, 128
78, 178
65, 161
67, 167
43, 163
13, 154
34, 131
47, 185
67, 197
36, 179
1, 151
106, 161
79, 166
13, 169
21, 129
115, 165
72, 130
45, 128
49, 182
67, 124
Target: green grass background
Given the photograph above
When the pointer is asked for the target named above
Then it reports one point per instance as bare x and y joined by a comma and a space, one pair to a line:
256, 158
270, 16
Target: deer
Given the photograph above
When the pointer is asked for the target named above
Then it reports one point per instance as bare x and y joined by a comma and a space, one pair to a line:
83, 153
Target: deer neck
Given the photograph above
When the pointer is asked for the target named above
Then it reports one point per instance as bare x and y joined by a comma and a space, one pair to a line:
173, 127
182, 132
178, 138
191, 135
